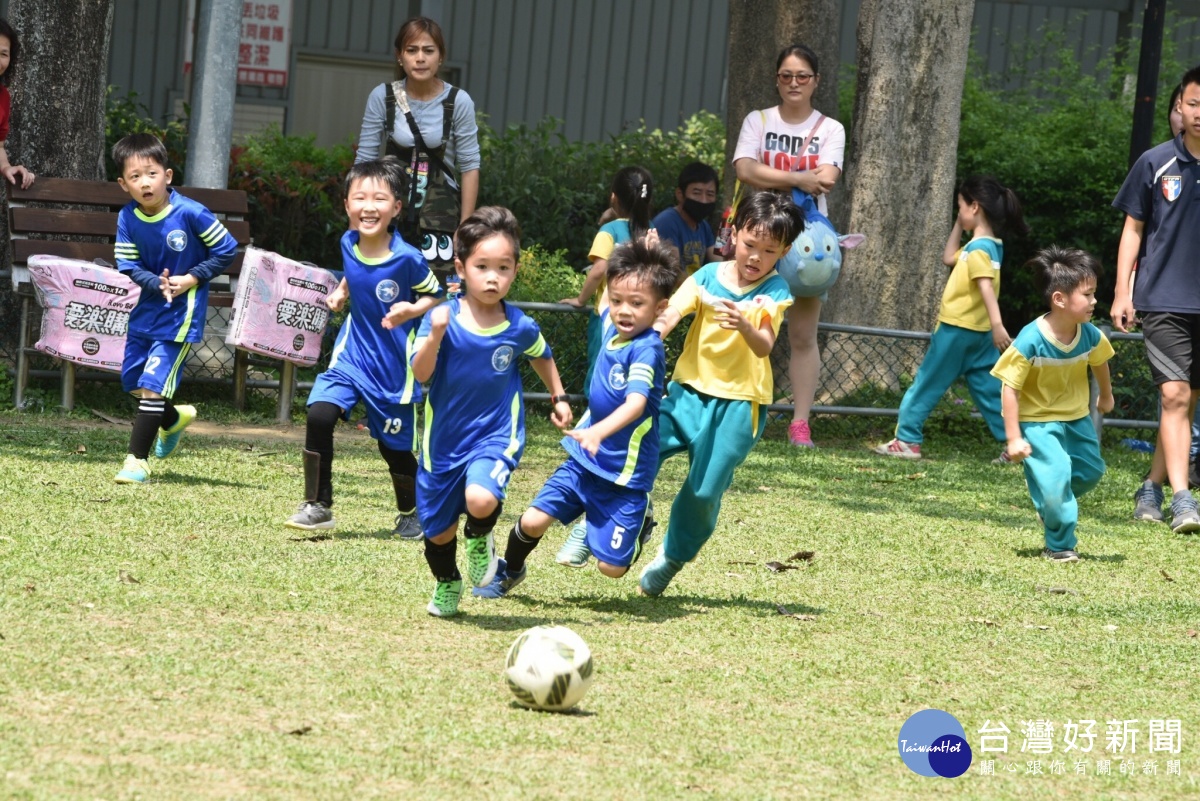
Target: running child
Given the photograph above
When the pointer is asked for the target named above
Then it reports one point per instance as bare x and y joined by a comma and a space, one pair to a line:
632, 191
474, 417
389, 285
613, 451
715, 407
1046, 391
969, 335
171, 247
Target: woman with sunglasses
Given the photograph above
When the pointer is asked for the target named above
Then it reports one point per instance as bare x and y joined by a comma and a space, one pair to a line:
788, 146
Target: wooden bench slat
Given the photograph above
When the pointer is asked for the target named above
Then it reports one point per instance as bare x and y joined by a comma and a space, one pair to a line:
87, 251
90, 223
104, 193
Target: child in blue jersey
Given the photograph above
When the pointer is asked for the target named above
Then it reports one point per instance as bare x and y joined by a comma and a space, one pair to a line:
715, 407
171, 247
1046, 392
614, 449
970, 334
474, 415
632, 191
389, 285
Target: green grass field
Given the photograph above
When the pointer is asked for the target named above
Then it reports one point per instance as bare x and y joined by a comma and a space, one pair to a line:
173, 640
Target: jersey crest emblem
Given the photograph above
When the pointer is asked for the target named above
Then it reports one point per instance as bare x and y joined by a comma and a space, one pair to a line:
1171, 186
616, 377
177, 240
387, 291
501, 358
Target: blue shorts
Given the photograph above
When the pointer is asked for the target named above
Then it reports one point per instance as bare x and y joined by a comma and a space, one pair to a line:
442, 496
392, 424
153, 364
615, 515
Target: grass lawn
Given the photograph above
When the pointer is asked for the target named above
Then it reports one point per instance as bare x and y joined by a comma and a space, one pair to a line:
173, 640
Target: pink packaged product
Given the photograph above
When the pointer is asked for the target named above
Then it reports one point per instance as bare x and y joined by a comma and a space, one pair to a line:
279, 308
86, 310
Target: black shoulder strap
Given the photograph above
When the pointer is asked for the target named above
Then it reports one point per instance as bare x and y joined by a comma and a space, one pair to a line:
448, 115
419, 141
389, 123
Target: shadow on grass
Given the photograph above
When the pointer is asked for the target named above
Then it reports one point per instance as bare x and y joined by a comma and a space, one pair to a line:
665, 607
573, 712
1084, 557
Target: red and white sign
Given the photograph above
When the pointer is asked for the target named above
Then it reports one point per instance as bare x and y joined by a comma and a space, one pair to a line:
266, 40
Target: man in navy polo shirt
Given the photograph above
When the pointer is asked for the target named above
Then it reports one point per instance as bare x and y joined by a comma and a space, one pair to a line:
1161, 201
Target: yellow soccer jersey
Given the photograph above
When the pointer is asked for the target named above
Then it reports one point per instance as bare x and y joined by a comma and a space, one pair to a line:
608, 237
1052, 377
718, 361
962, 304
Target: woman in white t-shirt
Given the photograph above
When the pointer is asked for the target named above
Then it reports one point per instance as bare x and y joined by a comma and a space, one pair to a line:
768, 156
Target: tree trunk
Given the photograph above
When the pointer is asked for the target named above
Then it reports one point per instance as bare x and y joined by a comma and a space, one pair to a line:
59, 86
912, 57
758, 31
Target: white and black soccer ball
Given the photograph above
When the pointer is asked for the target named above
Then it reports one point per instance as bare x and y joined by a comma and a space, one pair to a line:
549, 668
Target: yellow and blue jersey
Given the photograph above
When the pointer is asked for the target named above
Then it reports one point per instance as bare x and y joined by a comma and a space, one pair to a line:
474, 398
607, 238
185, 237
718, 361
629, 457
375, 359
1051, 375
962, 303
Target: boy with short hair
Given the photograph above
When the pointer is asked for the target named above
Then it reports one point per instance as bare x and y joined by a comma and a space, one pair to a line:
613, 451
171, 247
1045, 395
717, 401
1161, 201
685, 226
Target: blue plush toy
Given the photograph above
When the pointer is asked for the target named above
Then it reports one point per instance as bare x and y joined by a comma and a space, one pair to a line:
812, 265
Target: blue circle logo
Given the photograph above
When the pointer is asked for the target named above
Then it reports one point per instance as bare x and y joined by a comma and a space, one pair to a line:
933, 743
501, 358
387, 290
177, 240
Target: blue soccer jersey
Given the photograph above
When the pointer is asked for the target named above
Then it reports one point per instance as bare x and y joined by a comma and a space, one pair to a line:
183, 238
374, 358
474, 398
628, 458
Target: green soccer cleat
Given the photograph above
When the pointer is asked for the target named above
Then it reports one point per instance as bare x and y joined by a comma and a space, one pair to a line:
481, 559
445, 599
575, 552
168, 438
657, 575
134, 471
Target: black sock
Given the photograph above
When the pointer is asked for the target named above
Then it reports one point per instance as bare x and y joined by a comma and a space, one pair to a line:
170, 416
145, 426
441, 559
403, 467
322, 417
481, 526
520, 545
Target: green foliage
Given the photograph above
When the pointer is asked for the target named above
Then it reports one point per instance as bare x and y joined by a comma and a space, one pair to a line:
558, 189
544, 276
1061, 142
295, 194
124, 115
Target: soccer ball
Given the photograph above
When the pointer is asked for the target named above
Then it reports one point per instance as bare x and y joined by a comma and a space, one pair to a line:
549, 668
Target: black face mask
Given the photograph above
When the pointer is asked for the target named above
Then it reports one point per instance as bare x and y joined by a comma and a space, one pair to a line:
698, 211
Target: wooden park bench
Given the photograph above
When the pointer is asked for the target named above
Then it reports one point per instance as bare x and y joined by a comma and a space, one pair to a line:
42, 217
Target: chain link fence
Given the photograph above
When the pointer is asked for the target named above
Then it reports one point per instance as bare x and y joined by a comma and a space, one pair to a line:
865, 370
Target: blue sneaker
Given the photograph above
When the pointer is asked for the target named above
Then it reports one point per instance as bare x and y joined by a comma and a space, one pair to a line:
658, 574
502, 583
168, 438
134, 471
575, 551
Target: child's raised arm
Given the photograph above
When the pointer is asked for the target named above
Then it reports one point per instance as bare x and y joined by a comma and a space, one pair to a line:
760, 339
595, 275
336, 300
591, 437
402, 312
425, 359
953, 243
547, 370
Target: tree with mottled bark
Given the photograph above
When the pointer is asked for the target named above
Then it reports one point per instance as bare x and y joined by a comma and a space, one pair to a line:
912, 57
59, 86
758, 31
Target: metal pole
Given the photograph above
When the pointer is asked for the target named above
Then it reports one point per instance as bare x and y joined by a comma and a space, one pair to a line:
210, 130
1147, 79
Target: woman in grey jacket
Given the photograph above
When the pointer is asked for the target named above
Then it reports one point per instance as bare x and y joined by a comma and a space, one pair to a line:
433, 133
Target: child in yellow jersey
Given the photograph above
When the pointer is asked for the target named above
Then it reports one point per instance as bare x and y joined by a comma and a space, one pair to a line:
1046, 391
970, 334
715, 407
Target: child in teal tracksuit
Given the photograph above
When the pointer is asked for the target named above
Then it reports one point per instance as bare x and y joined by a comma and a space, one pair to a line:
1046, 392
